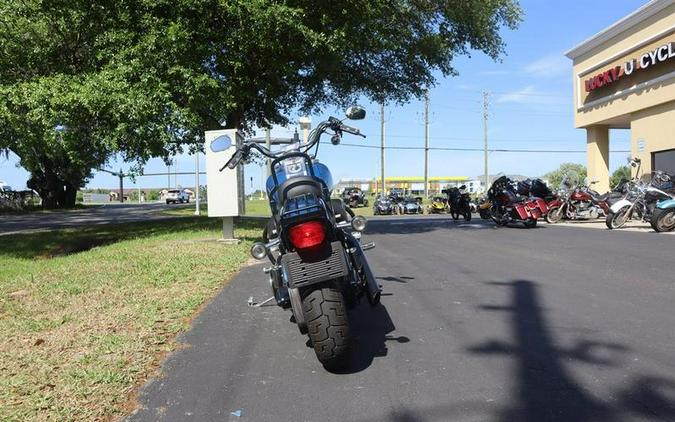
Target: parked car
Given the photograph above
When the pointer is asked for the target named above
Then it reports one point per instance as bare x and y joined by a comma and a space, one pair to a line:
177, 196
354, 197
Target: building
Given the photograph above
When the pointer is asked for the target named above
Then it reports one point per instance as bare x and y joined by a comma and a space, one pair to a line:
624, 78
415, 184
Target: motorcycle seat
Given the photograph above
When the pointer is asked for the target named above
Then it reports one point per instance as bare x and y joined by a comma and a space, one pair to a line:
297, 186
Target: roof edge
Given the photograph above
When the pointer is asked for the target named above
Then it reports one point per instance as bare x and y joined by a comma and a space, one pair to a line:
641, 14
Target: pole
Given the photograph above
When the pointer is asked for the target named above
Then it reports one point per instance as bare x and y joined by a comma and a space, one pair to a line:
268, 144
426, 144
168, 176
383, 189
486, 100
121, 176
197, 182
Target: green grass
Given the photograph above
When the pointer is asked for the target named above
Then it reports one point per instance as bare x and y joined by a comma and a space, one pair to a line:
86, 314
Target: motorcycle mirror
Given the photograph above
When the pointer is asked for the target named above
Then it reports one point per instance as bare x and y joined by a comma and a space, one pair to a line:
335, 139
355, 113
221, 143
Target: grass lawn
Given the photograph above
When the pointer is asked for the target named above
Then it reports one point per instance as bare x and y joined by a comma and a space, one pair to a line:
87, 314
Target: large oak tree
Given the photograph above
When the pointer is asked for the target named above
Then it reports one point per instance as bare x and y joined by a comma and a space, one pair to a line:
81, 80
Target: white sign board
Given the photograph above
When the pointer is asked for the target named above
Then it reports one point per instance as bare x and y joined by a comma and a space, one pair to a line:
641, 145
224, 188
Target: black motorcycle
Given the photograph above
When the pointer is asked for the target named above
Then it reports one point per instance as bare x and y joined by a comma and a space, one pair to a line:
319, 268
460, 202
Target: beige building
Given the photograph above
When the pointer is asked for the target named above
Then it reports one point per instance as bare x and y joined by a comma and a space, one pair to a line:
624, 78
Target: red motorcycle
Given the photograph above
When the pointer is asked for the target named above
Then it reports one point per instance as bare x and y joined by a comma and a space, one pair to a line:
509, 207
581, 203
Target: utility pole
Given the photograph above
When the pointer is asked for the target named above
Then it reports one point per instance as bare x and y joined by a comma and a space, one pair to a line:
197, 211
268, 144
382, 184
426, 144
486, 102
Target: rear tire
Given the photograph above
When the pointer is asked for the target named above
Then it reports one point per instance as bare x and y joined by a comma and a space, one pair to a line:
531, 223
467, 216
663, 220
616, 220
554, 215
327, 326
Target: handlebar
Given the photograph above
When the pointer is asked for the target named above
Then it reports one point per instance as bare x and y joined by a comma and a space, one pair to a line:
332, 123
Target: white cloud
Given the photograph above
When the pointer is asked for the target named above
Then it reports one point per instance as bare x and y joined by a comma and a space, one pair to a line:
524, 95
550, 66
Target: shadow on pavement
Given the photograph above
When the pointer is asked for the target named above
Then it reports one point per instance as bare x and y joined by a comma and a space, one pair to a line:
371, 328
546, 390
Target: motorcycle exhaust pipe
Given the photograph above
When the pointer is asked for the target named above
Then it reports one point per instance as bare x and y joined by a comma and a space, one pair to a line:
374, 291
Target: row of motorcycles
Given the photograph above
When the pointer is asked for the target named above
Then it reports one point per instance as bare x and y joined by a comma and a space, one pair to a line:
529, 200
456, 201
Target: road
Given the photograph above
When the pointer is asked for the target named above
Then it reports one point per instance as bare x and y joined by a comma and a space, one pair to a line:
95, 215
476, 324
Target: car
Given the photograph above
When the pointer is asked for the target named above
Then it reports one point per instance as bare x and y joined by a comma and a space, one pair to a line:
176, 195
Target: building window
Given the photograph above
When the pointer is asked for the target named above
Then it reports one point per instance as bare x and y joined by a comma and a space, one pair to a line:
664, 161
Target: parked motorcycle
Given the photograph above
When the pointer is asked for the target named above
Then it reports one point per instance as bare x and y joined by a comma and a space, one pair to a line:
484, 206
383, 206
663, 218
640, 200
319, 268
509, 207
460, 202
536, 189
580, 203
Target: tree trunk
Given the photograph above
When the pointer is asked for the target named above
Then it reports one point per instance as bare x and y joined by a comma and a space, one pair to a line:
55, 192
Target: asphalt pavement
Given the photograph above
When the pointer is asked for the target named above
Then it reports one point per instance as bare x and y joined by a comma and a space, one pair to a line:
91, 216
477, 323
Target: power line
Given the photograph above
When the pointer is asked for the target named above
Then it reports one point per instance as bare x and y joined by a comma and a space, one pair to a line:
475, 149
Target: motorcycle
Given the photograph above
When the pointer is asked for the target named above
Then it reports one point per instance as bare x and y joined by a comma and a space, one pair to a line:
383, 206
536, 189
640, 201
484, 206
438, 205
319, 268
580, 203
509, 207
663, 217
460, 203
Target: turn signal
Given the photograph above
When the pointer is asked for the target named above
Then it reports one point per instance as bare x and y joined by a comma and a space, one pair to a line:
359, 223
307, 235
258, 250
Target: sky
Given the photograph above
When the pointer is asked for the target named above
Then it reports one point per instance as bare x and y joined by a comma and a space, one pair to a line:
530, 107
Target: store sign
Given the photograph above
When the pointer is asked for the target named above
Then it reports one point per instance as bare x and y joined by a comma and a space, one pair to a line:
651, 58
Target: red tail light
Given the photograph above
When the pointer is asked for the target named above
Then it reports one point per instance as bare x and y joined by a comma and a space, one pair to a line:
307, 235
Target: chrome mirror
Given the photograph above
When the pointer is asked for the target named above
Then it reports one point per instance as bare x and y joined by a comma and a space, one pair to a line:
355, 113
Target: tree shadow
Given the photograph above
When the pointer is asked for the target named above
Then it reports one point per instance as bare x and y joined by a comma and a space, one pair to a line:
370, 328
52, 243
402, 225
546, 391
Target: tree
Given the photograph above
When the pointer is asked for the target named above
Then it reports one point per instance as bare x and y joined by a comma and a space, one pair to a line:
622, 173
575, 173
144, 78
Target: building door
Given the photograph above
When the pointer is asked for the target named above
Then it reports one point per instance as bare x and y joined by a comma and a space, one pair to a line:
664, 161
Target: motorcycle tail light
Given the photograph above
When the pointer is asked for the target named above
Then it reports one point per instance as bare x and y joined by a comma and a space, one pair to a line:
307, 235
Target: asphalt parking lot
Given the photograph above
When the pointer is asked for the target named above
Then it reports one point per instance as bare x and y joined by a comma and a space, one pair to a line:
477, 323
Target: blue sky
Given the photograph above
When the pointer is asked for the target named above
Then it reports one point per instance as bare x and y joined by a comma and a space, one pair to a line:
530, 108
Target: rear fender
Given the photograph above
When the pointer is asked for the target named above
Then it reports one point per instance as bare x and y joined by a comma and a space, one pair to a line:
668, 203
620, 204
